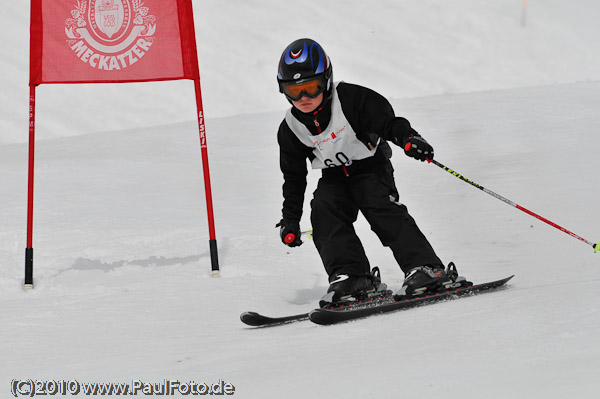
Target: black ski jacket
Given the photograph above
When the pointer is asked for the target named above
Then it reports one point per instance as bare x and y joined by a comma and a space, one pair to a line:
371, 117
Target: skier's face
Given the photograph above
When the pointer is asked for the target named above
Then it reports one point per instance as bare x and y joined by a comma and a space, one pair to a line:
307, 104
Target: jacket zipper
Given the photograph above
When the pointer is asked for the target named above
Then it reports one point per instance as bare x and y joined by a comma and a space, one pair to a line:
319, 130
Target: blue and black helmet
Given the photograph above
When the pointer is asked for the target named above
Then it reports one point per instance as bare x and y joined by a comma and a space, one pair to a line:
302, 60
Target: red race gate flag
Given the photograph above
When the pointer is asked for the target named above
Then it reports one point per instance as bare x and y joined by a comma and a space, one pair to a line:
92, 41
112, 41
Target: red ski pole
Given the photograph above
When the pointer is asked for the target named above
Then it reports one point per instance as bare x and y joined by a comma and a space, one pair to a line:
513, 204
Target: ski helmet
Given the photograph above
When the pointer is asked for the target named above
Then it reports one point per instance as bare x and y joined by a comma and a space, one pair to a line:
304, 61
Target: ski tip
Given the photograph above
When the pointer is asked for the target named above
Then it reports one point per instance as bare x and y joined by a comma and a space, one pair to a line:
245, 315
248, 314
251, 318
316, 316
597, 247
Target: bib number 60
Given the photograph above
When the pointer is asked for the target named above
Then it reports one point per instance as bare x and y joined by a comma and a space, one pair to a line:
340, 157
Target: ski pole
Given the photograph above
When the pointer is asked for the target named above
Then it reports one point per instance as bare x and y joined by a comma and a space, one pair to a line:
515, 205
291, 237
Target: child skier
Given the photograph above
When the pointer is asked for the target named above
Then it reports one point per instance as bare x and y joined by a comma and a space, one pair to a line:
343, 129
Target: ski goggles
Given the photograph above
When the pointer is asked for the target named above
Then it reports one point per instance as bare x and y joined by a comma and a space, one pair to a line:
296, 90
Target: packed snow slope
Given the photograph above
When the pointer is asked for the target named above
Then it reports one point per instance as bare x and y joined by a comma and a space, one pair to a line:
123, 287
122, 271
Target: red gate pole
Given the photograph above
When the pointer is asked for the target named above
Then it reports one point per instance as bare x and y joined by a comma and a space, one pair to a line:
28, 282
214, 257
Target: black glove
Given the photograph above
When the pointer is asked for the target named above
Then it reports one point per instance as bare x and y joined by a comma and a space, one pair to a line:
418, 148
289, 230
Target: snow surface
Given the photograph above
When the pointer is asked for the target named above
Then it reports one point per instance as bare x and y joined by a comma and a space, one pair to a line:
122, 270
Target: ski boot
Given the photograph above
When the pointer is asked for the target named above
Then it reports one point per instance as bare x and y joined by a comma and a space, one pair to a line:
428, 279
345, 288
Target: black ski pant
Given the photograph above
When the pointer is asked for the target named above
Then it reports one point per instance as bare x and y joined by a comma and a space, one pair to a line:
335, 206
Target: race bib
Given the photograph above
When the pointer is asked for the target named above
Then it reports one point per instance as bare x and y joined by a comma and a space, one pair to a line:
337, 145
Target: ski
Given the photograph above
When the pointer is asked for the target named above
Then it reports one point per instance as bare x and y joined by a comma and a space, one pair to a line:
328, 316
257, 320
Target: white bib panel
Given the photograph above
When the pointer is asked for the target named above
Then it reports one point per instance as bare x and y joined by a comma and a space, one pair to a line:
337, 145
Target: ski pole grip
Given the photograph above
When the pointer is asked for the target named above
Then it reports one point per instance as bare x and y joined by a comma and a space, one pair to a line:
290, 238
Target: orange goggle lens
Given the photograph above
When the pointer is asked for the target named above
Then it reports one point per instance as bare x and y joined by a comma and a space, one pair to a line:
310, 88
